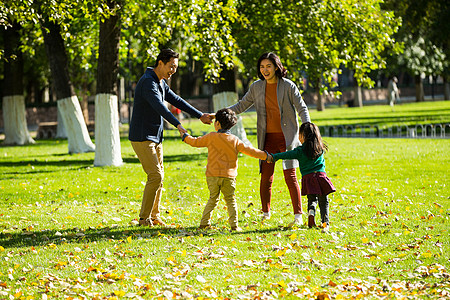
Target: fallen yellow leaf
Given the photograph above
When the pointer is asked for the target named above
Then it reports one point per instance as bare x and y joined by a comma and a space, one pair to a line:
119, 293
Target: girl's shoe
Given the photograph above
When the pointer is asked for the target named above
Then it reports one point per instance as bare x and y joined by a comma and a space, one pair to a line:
311, 216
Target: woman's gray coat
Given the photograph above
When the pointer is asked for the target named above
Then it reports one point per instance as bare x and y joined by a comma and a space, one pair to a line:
290, 103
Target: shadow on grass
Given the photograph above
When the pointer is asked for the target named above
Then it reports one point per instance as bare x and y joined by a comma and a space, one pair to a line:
28, 238
171, 158
82, 163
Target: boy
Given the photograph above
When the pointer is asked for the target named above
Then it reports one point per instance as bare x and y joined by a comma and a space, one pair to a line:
221, 169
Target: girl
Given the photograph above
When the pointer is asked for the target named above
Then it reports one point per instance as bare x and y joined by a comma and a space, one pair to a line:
315, 183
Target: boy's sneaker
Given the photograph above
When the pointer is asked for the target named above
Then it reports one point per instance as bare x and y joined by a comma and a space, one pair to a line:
158, 221
311, 221
145, 222
297, 222
237, 228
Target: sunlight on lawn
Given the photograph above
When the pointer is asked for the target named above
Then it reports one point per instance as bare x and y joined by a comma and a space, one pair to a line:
67, 228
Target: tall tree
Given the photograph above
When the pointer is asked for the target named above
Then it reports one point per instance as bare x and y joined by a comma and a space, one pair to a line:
14, 115
107, 138
68, 105
424, 32
317, 37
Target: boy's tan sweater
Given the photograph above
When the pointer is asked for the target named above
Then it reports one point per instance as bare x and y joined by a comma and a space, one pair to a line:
223, 149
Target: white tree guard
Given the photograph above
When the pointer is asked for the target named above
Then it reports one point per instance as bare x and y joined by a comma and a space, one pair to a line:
107, 137
60, 129
358, 102
14, 118
77, 133
226, 99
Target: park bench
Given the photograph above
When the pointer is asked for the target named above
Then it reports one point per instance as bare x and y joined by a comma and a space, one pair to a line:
47, 130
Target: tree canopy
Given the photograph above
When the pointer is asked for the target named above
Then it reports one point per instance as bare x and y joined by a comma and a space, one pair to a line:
313, 38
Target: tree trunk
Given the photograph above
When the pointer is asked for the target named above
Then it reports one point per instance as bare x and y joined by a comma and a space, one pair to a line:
14, 113
60, 129
107, 137
77, 133
446, 89
227, 82
358, 96
320, 103
72, 118
420, 96
15, 122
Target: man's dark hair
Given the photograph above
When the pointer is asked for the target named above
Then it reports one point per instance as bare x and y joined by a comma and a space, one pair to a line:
165, 55
280, 72
226, 117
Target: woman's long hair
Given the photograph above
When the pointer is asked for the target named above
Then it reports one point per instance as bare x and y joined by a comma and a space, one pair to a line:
280, 72
313, 145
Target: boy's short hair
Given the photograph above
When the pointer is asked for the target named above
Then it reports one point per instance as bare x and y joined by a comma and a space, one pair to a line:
226, 117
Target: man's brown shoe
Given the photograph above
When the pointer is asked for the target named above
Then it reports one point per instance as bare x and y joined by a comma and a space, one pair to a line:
145, 222
158, 221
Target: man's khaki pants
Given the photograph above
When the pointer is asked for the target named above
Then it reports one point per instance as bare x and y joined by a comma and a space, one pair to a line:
215, 186
150, 155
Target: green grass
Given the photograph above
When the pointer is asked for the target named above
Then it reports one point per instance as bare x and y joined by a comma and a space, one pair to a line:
66, 227
384, 115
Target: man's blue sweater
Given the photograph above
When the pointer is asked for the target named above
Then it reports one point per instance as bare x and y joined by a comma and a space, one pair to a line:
149, 108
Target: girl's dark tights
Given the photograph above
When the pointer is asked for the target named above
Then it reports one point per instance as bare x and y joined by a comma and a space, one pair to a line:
323, 202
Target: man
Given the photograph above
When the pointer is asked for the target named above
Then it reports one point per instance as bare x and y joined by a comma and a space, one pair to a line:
146, 128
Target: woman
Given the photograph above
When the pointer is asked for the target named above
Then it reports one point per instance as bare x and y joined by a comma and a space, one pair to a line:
277, 101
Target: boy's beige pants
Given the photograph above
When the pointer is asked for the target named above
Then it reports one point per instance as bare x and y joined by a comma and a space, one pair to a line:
227, 186
150, 155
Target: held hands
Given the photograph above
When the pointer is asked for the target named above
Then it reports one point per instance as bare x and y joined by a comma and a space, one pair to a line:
207, 118
183, 132
181, 129
269, 158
